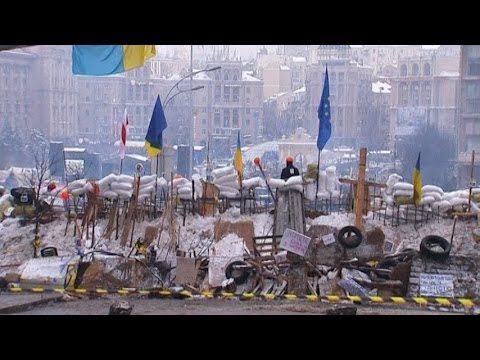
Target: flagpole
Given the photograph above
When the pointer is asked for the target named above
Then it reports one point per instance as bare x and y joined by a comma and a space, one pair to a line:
121, 166
156, 187
318, 176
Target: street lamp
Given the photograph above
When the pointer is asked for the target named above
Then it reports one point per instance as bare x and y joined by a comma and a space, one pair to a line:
175, 86
185, 77
181, 92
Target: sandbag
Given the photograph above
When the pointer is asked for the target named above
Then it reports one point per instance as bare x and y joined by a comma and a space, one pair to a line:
227, 170
107, 180
402, 186
294, 180
115, 186
398, 193
276, 183
109, 194
147, 179
225, 179
125, 179
432, 188
435, 195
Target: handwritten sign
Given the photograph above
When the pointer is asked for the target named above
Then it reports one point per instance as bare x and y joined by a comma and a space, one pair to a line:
328, 239
436, 285
295, 242
388, 246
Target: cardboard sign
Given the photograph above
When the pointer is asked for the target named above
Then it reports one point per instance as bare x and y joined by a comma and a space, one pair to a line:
436, 285
295, 242
186, 270
328, 239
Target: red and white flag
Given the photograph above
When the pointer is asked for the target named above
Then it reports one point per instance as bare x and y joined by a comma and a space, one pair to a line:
123, 136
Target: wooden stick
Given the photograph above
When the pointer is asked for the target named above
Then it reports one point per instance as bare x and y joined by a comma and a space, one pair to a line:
472, 167
360, 195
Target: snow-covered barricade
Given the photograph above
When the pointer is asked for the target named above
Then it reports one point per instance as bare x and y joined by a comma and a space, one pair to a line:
226, 180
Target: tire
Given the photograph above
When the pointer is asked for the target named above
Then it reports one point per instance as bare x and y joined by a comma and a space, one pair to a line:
238, 275
350, 237
433, 240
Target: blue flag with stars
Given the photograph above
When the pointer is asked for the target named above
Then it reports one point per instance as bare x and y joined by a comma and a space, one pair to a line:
325, 126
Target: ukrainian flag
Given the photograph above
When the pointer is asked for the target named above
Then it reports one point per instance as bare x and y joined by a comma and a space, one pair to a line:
417, 183
109, 59
158, 123
238, 161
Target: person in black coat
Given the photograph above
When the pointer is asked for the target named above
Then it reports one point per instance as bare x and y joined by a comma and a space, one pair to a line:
289, 170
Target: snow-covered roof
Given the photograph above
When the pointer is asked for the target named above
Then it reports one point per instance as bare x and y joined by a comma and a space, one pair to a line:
132, 143
201, 76
247, 77
381, 87
301, 90
284, 67
174, 77
449, 74
137, 157
74, 149
299, 59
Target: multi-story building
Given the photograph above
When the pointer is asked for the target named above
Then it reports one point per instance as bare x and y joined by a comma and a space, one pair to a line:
350, 94
469, 113
15, 89
424, 92
54, 92
276, 79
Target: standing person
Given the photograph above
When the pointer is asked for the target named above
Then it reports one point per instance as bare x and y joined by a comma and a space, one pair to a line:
289, 170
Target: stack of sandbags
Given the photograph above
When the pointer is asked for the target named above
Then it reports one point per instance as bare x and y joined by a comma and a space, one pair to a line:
105, 189
431, 195
292, 183
226, 180
147, 187
332, 183
388, 192
322, 186
402, 192
123, 186
182, 187
254, 182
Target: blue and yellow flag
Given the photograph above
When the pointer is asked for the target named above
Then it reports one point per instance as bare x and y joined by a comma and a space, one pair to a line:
101, 60
158, 123
417, 182
238, 161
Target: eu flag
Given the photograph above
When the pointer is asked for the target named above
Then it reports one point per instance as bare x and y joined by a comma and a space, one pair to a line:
325, 126
158, 123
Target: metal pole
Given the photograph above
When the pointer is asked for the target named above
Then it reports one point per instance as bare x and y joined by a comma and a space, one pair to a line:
190, 168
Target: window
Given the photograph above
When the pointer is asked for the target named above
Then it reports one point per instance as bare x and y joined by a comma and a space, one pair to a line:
226, 94
474, 66
145, 92
415, 69
247, 122
216, 117
340, 92
87, 99
130, 93
217, 75
403, 70
217, 93
427, 93
403, 94
226, 118
248, 90
204, 121
415, 91
137, 93
426, 69
247, 111
236, 94
332, 77
204, 131
341, 77
235, 118
247, 100
226, 75
87, 113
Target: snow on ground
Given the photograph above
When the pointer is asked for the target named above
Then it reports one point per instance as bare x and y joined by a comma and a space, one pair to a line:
197, 235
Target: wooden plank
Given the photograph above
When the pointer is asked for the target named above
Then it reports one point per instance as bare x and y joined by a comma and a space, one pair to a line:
360, 195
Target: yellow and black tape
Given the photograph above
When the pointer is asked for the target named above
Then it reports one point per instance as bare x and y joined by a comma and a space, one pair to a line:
167, 293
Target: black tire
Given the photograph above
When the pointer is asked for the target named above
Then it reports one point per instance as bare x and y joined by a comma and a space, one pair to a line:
238, 275
350, 237
433, 240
